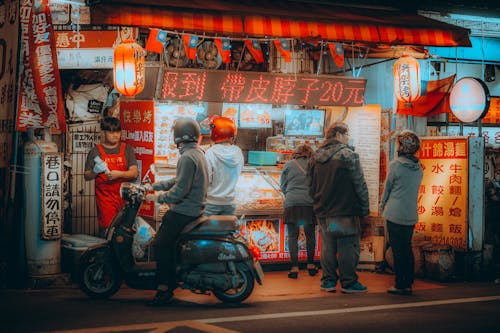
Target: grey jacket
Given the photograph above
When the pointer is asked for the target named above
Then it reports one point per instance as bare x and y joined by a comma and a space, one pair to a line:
188, 190
399, 201
294, 183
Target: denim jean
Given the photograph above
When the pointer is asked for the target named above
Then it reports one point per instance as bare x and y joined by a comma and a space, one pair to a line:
211, 209
404, 261
348, 252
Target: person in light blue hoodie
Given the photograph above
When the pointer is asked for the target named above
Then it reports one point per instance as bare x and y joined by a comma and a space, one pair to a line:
399, 208
225, 162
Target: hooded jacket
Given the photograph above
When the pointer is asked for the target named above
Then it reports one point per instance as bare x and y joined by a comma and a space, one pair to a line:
224, 164
336, 180
399, 201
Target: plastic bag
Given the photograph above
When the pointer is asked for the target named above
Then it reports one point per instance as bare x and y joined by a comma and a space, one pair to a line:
86, 102
143, 236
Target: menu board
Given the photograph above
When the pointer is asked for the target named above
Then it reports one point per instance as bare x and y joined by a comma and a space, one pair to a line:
364, 127
255, 116
231, 111
166, 151
443, 194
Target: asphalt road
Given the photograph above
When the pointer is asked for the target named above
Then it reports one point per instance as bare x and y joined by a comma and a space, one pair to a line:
455, 307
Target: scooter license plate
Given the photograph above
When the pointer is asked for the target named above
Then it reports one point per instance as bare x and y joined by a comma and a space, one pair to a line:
258, 269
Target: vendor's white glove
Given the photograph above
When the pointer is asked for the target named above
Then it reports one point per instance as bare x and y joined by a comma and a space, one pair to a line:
101, 167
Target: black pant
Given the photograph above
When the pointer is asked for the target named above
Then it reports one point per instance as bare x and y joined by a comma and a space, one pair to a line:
404, 262
293, 237
165, 246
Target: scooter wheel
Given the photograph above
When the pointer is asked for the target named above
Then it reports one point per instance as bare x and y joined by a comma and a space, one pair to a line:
244, 289
99, 277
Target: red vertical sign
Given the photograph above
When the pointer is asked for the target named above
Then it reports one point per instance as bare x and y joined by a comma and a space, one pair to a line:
137, 118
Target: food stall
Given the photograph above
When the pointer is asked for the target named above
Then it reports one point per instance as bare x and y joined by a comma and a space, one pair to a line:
147, 126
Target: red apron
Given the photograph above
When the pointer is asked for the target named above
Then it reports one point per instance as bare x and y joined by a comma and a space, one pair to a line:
107, 191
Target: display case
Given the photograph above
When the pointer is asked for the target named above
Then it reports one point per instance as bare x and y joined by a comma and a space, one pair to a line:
256, 196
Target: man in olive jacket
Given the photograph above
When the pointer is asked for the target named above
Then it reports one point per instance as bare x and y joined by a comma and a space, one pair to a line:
340, 197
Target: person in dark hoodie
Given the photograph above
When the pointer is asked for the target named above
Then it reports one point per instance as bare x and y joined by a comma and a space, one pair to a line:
187, 193
340, 198
298, 208
224, 162
399, 208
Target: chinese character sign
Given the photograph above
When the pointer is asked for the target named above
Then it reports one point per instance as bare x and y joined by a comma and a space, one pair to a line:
260, 88
40, 96
52, 195
443, 194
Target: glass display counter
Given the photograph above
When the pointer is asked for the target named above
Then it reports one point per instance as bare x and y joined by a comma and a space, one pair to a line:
255, 195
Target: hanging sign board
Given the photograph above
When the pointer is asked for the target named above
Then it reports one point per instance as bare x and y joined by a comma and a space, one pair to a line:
137, 119
51, 203
469, 99
443, 193
260, 88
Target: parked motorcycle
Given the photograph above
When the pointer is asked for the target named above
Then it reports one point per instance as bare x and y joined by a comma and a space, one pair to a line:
212, 256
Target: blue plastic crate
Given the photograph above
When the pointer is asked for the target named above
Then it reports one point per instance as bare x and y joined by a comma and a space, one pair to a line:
262, 157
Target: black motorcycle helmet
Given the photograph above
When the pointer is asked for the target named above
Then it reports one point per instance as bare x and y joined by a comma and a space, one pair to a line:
186, 130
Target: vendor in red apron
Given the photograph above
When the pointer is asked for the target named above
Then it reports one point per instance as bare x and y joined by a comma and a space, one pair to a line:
110, 163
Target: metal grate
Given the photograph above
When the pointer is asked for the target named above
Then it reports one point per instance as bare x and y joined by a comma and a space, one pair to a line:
82, 137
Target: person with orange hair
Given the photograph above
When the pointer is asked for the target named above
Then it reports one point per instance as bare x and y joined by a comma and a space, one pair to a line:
224, 162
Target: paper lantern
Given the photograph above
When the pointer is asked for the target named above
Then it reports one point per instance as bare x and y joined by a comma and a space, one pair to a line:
129, 71
407, 79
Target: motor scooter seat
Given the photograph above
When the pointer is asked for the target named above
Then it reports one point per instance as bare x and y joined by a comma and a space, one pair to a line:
214, 224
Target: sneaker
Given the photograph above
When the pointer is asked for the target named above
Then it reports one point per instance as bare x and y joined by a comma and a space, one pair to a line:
400, 291
328, 285
312, 269
355, 288
162, 297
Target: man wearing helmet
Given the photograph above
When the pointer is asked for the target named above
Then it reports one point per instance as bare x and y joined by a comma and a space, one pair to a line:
187, 193
224, 164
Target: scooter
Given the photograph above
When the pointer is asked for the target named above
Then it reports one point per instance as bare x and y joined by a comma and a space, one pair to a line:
212, 256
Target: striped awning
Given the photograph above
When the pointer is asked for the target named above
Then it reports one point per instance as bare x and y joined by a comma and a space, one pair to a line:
379, 28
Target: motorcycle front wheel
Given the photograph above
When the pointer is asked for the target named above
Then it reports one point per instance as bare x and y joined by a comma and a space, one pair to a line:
99, 277
244, 287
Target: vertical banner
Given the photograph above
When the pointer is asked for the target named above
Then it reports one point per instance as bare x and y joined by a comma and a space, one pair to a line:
51, 207
137, 118
40, 98
443, 194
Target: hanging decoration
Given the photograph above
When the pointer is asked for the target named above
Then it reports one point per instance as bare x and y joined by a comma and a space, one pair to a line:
283, 46
128, 69
407, 79
255, 50
157, 40
337, 52
224, 48
190, 44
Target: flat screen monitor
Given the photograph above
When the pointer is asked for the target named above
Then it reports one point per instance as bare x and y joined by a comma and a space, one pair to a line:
304, 122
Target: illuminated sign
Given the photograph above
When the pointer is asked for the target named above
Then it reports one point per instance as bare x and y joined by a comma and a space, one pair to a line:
260, 88
443, 193
469, 99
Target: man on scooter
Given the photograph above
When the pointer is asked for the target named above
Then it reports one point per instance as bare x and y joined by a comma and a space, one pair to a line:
187, 193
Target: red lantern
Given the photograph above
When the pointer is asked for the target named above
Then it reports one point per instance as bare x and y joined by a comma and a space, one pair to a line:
128, 69
407, 79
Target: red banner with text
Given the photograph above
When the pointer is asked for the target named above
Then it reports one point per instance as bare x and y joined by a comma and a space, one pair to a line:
40, 97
